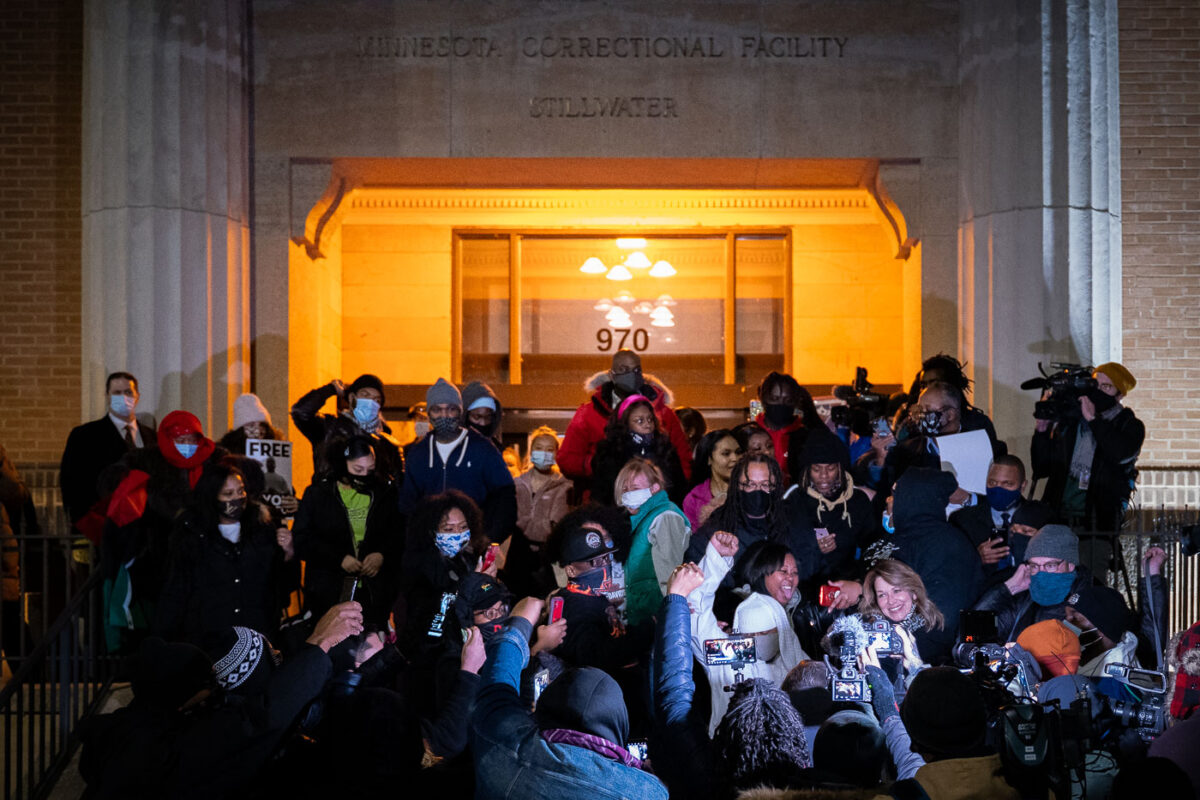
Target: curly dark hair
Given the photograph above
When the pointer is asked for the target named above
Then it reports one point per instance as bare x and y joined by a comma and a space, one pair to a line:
760, 741
701, 469
616, 448
730, 516
428, 514
203, 506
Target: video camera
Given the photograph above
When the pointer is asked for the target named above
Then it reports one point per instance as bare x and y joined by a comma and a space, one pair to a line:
1145, 712
1067, 383
862, 405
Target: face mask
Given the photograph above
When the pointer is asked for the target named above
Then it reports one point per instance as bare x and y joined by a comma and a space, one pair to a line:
779, 414
627, 383
366, 411
121, 405
636, 499
445, 427
593, 580
482, 430
361, 483
186, 450
1101, 400
1074, 629
1050, 588
542, 458
1000, 498
421, 428
643, 439
233, 509
766, 646
756, 503
886, 522
450, 544
490, 630
930, 423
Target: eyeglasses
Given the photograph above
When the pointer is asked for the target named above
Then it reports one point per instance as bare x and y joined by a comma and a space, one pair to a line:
752, 486
493, 613
1054, 565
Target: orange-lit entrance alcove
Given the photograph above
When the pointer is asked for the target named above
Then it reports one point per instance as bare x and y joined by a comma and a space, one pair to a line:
420, 268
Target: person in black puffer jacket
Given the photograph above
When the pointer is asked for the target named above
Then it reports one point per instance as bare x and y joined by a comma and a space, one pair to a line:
635, 432
229, 565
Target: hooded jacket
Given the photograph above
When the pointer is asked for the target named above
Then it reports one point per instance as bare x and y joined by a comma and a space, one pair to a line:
586, 429
520, 757
320, 429
939, 552
476, 390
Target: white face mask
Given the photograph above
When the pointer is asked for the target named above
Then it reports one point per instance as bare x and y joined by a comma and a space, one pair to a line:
636, 499
766, 646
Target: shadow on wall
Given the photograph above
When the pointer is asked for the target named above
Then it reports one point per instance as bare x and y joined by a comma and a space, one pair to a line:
205, 392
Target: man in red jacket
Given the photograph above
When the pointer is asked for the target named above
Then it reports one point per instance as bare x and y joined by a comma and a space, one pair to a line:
610, 388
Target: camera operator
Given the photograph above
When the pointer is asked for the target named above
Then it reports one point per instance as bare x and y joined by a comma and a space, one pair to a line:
1088, 461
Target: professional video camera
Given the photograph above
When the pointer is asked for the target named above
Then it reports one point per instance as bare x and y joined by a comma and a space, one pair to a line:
850, 636
1145, 712
1067, 383
863, 406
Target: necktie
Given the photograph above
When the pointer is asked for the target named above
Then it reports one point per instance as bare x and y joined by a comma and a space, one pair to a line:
1005, 517
130, 443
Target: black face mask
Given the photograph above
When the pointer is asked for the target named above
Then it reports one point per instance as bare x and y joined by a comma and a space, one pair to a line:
1101, 400
490, 630
756, 503
483, 430
362, 483
627, 383
233, 509
445, 427
779, 415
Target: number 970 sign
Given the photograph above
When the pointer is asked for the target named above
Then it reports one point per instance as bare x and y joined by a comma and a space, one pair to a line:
608, 339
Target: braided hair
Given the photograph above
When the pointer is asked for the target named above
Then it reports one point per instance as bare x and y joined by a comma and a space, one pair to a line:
730, 516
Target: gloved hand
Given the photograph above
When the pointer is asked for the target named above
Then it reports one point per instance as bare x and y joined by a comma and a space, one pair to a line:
883, 698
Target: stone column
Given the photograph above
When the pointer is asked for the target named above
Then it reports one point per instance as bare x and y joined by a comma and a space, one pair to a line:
166, 229
1039, 202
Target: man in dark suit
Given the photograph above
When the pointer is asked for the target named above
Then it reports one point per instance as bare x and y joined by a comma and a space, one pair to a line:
95, 445
987, 519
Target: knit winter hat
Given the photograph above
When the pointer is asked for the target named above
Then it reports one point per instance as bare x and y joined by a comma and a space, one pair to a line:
760, 740
248, 408
755, 615
851, 745
822, 446
443, 392
1105, 608
1054, 541
1185, 698
944, 713
366, 381
239, 652
1122, 378
1053, 645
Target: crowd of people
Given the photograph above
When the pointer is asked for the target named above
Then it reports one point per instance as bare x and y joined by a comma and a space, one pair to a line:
640, 608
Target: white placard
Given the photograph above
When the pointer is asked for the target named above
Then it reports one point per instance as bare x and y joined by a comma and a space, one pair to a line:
277, 471
967, 457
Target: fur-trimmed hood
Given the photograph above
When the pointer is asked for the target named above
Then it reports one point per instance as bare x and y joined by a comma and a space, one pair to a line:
597, 380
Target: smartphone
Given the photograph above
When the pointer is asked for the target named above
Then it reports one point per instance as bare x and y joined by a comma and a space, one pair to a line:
639, 749
725, 652
349, 588
556, 609
489, 557
822, 532
882, 429
828, 594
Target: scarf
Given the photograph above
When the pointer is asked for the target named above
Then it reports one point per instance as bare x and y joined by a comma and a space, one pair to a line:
181, 423
825, 504
594, 743
1085, 445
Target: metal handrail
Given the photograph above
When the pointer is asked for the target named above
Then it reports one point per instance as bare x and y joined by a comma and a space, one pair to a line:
60, 683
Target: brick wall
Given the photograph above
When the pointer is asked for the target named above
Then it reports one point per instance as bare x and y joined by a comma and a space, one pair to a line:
41, 62
1160, 175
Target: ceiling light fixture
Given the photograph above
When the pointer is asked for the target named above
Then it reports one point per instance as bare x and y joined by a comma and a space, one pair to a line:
630, 244
603, 305
593, 266
619, 273
662, 269
637, 260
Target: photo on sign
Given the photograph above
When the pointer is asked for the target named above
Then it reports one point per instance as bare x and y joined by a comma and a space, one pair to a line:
275, 455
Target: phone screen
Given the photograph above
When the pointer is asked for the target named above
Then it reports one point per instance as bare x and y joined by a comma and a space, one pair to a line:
556, 609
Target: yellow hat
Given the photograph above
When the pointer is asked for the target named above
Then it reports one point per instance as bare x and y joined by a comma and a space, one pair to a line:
1122, 378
